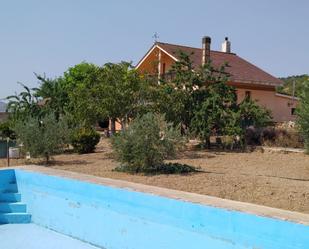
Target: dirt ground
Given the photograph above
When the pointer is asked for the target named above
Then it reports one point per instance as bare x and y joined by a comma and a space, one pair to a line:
273, 179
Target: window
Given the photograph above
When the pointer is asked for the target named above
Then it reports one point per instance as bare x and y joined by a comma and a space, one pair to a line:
163, 70
293, 110
248, 95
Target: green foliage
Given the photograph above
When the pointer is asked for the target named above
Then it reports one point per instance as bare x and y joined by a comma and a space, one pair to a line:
251, 114
84, 140
24, 105
215, 114
197, 98
123, 92
165, 168
42, 137
220, 115
303, 113
114, 91
287, 87
174, 98
53, 95
201, 101
81, 83
6, 131
144, 145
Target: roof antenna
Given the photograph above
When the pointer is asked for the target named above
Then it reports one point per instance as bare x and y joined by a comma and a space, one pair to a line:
155, 37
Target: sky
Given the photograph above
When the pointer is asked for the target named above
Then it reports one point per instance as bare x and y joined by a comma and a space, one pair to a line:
47, 37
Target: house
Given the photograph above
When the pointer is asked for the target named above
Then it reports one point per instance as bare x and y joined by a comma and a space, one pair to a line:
248, 79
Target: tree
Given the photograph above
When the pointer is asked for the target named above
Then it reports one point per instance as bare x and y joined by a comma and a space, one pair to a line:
122, 93
290, 82
42, 137
112, 92
215, 112
201, 101
303, 114
53, 94
24, 104
174, 97
144, 145
250, 114
82, 84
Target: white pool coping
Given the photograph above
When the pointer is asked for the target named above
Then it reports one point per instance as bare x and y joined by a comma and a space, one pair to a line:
207, 200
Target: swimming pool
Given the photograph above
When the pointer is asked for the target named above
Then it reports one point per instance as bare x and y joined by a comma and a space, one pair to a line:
118, 218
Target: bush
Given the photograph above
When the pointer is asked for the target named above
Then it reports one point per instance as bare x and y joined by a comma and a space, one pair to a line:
84, 140
272, 136
143, 147
282, 138
42, 137
164, 168
6, 131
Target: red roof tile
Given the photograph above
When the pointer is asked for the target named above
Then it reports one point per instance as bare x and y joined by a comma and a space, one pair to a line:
241, 71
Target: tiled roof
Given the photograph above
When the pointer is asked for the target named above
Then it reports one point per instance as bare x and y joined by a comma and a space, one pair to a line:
241, 71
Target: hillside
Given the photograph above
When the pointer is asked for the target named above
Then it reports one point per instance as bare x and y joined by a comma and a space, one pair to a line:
287, 87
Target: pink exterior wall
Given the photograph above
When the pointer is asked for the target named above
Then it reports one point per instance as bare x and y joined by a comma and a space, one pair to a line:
280, 106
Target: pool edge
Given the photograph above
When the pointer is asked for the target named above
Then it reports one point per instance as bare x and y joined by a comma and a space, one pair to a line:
206, 200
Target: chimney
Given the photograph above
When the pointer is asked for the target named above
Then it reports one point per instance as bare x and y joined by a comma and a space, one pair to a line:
206, 49
226, 46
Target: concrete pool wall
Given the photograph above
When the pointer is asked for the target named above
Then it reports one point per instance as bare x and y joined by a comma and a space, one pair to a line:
118, 218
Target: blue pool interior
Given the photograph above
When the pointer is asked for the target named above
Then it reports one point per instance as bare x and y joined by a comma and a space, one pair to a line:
31, 236
109, 217
12, 210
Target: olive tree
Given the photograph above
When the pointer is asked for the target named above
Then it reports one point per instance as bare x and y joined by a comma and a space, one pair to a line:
42, 137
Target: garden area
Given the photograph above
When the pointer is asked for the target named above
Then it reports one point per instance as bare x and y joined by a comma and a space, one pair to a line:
188, 134
274, 179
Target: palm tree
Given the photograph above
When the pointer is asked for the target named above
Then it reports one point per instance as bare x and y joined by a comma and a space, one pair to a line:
23, 104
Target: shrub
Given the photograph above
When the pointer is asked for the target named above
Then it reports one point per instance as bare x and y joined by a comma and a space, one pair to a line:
164, 168
272, 136
143, 147
42, 137
6, 131
253, 136
282, 138
84, 140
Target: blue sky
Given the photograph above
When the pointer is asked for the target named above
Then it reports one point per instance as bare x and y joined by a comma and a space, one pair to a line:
51, 35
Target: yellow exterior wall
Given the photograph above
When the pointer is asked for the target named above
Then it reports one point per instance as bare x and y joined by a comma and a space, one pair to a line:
150, 64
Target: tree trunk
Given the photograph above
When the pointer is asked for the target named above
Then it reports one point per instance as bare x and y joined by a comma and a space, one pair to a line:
123, 124
113, 126
46, 158
207, 143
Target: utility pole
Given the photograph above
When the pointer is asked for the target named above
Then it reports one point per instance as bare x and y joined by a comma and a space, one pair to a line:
8, 151
293, 91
